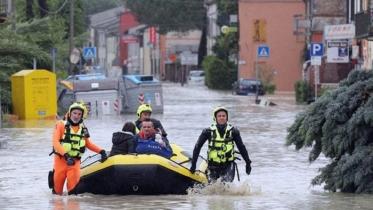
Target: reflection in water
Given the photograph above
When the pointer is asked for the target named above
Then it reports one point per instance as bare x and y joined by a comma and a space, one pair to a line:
65, 203
280, 177
30, 124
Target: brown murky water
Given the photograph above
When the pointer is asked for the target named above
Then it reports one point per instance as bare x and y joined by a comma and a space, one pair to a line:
280, 176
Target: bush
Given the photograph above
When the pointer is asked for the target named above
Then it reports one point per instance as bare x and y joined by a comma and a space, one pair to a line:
217, 75
269, 88
266, 75
303, 91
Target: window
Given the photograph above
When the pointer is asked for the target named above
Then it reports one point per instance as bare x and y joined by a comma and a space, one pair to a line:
259, 29
360, 6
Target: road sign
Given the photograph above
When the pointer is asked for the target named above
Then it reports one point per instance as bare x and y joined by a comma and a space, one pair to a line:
89, 53
317, 49
141, 98
172, 57
263, 51
315, 60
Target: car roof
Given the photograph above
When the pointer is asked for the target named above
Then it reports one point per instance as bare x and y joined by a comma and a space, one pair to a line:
247, 79
244, 80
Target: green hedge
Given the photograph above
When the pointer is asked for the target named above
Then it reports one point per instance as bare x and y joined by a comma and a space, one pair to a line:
303, 91
269, 88
217, 75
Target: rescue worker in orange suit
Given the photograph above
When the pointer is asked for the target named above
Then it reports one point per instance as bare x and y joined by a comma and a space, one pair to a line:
70, 140
222, 137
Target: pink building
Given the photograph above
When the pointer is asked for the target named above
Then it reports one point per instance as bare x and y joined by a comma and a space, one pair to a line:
270, 23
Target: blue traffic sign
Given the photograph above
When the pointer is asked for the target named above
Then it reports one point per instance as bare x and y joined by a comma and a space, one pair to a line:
263, 51
89, 53
317, 49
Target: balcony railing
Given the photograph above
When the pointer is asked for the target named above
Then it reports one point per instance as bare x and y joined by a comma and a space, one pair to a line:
363, 25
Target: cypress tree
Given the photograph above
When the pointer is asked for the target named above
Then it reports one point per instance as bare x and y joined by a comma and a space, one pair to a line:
339, 125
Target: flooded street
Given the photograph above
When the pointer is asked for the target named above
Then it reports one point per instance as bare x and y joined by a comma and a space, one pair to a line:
280, 177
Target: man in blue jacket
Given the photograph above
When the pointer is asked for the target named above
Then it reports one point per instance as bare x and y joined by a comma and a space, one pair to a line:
150, 141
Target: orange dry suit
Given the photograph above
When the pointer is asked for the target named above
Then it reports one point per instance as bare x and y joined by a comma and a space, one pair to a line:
70, 139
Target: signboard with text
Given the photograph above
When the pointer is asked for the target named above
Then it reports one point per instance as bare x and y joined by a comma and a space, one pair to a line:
152, 35
337, 52
343, 31
189, 59
129, 39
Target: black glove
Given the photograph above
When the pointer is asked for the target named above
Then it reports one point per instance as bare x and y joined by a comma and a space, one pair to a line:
103, 156
69, 159
193, 169
248, 169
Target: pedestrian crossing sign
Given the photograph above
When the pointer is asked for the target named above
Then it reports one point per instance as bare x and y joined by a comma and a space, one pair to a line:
89, 53
263, 51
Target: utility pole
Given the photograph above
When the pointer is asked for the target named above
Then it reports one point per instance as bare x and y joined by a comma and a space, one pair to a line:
238, 40
71, 32
13, 14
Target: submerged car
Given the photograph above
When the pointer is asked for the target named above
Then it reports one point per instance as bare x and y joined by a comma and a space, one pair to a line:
196, 77
248, 87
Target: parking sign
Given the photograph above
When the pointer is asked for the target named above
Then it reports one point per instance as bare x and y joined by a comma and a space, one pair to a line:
317, 49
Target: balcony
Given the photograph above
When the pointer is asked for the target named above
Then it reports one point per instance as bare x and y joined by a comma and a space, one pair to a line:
363, 25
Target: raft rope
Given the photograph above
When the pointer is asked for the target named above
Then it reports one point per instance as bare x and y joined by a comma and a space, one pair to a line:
89, 157
185, 161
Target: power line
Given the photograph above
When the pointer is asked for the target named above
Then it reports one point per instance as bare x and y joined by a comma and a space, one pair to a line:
54, 12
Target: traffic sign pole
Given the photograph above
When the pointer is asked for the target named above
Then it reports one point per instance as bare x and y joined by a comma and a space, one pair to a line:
80, 64
316, 74
257, 78
263, 52
316, 51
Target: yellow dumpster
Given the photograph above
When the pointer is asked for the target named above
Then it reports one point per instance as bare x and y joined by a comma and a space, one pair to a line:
34, 94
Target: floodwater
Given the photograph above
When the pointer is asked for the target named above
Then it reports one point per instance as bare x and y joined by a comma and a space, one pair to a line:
280, 177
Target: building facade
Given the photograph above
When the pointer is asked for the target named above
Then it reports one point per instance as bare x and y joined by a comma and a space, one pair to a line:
269, 24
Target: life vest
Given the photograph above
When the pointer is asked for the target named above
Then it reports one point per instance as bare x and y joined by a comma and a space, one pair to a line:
137, 129
73, 142
148, 146
221, 148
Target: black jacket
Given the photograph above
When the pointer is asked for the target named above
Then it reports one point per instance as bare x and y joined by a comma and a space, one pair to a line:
206, 135
121, 143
